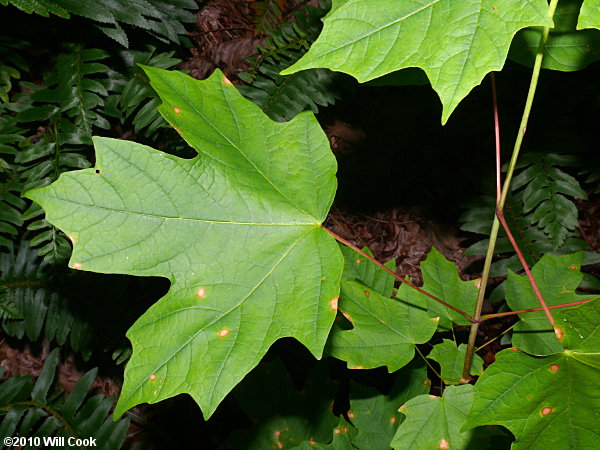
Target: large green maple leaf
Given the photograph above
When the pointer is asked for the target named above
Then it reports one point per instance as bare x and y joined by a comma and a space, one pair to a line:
456, 43
237, 230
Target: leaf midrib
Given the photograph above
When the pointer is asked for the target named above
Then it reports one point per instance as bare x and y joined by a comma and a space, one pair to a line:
184, 219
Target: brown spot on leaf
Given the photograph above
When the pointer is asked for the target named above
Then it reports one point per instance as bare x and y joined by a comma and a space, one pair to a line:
444, 444
176, 110
333, 303
224, 332
560, 334
152, 377
514, 349
478, 283
227, 81
178, 131
435, 319
573, 267
402, 408
356, 367
347, 316
367, 294
547, 410
277, 434
432, 396
358, 261
554, 368
201, 293
351, 415
72, 238
337, 431
393, 420
77, 265
426, 382
279, 445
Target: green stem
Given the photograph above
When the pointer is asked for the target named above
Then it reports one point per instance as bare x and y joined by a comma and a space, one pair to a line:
505, 190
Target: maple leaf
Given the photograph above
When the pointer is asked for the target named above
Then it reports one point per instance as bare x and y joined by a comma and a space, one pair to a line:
455, 43
237, 230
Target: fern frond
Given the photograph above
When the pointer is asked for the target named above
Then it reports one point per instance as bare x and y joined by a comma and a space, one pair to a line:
81, 315
532, 241
69, 108
40, 410
545, 189
268, 14
8, 309
11, 205
134, 98
12, 63
161, 18
283, 97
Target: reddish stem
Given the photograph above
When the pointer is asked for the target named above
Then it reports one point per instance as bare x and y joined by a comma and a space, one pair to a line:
497, 134
398, 277
433, 297
499, 206
511, 313
534, 285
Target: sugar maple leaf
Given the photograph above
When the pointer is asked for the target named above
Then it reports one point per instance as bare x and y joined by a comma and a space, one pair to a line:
237, 230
